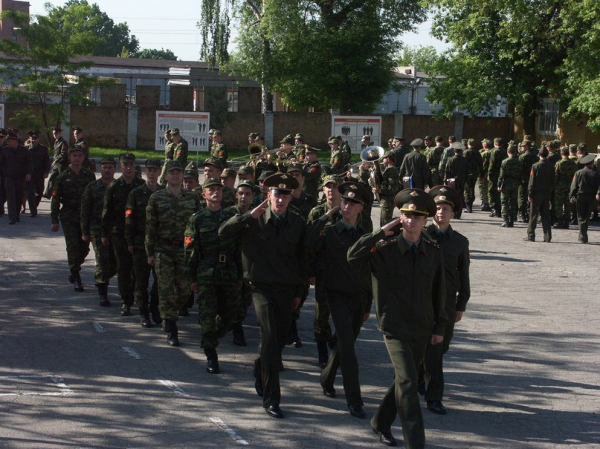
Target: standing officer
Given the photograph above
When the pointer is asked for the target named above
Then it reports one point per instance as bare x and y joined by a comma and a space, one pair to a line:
415, 171
135, 228
527, 158
15, 171
40, 168
339, 159
388, 188
541, 184
66, 204
213, 267
474, 167
509, 180
61, 159
180, 147
497, 155
348, 291
564, 171
274, 260
92, 205
586, 183
409, 289
167, 214
113, 227
455, 248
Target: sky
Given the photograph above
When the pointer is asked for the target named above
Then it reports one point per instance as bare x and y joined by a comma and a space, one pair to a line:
172, 25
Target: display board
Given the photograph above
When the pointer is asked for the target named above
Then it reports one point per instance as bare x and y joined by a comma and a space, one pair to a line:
193, 127
353, 128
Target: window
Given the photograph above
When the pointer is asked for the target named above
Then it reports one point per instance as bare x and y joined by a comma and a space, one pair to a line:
548, 119
232, 99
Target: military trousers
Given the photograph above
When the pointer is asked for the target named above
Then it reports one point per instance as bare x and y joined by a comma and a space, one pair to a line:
483, 191
218, 304
142, 272
14, 195
562, 202
540, 207
585, 204
173, 284
347, 312
321, 326
402, 397
508, 199
469, 194
494, 195
77, 249
386, 203
273, 304
523, 198
245, 300
436, 179
35, 189
434, 357
124, 267
2, 196
105, 266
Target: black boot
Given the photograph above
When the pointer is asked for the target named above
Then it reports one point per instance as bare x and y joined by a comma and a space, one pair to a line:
505, 224
190, 302
183, 311
103, 293
155, 312
172, 332
511, 222
212, 361
239, 338
470, 208
145, 315
485, 208
125, 308
78, 284
294, 338
493, 213
323, 354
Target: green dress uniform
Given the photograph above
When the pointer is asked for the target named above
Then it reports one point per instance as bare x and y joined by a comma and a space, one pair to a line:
398, 155
455, 250
474, 168
527, 160
166, 218
275, 265
113, 228
135, 229
456, 168
509, 181
409, 291
348, 293
484, 184
15, 165
214, 264
564, 171
415, 166
541, 185
66, 205
497, 155
92, 204
388, 188
180, 152
585, 185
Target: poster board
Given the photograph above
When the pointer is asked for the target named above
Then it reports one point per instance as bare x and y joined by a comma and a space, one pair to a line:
353, 128
193, 127
2, 115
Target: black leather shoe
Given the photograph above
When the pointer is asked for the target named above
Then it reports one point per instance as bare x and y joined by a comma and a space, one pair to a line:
146, 321
436, 407
386, 438
78, 284
183, 311
258, 386
212, 366
71, 278
239, 339
527, 239
125, 310
173, 338
104, 302
329, 392
274, 411
357, 411
323, 355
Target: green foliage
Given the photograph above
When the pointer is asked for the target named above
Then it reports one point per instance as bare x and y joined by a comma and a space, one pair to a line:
43, 73
78, 17
152, 53
424, 58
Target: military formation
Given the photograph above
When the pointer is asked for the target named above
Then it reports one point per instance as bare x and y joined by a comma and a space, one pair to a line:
264, 232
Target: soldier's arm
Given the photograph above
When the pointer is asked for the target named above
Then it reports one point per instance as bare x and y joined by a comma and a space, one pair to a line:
574, 187
464, 292
235, 225
130, 219
86, 210
151, 228
55, 204
362, 253
438, 297
106, 213
192, 249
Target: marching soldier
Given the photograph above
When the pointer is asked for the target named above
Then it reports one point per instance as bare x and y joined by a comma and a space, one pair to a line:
586, 184
15, 171
434, 158
167, 214
415, 171
564, 170
40, 168
82, 142
474, 168
312, 169
508, 185
541, 184
66, 205
484, 185
497, 155
399, 151
388, 188
528, 157
60, 162
456, 168
92, 205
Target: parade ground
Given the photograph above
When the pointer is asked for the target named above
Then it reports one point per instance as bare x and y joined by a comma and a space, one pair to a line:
523, 370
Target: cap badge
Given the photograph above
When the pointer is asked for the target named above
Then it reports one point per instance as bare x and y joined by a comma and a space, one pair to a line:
414, 193
282, 186
351, 194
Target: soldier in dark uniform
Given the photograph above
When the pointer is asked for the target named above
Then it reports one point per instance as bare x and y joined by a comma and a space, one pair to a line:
15, 171
415, 171
474, 168
66, 204
40, 168
509, 180
399, 151
434, 157
3, 135
213, 265
497, 155
388, 187
348, 291
586, 184
528, 157
274, 260
312, 170
455, 248
564, 170
456, 168
484, 185
135, 228
81, 141
541, 185
92, 205
409, 291
113, 227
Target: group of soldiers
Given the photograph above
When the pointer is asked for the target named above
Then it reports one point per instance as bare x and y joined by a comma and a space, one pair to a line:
261, 235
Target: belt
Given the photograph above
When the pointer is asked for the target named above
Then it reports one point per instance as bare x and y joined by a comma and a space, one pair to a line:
220, 258
171, 243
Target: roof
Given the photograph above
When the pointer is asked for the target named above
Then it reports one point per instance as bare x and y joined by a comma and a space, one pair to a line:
109, 61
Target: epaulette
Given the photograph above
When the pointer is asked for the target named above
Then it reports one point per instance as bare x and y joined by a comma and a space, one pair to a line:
295, 211
384, 242
435, 245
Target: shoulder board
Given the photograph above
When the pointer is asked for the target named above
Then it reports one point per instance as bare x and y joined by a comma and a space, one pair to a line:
385, 242
429, 242
295, 211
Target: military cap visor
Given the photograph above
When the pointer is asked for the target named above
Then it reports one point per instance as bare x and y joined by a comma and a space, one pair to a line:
153, 163
173, 165
190, 174
295, 167
214, 162
108, 160
77, 129
71, 150
249, 184
354, 192
127, 157
445, 194
332, 141
211, 182
281, 183
586, 159
264, 175
415, 201
246, 170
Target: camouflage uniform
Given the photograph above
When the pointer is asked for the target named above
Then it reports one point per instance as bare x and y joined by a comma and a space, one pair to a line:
113, 228
180, 152
219, 151
564, 170
474, 168
169, 146
66, 204
214, 264
511, 171
92, 204
389, 186
483, 182
312, 178
166, 218
527, 160
61, 161
135, 229
229, 198
339, 162
496, 157
434, 158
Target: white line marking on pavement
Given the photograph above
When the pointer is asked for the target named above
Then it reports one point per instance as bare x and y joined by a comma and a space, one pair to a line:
50, 289
131, 352
9, 259
173, 387
234, 436
59, 381
30, 274
98, 328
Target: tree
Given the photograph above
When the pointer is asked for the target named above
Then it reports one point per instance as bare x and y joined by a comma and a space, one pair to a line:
152, 53
79, 17
519, 50
43, 73
327, 54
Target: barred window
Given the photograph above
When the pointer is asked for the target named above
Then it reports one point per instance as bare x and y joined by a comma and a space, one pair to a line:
548, 119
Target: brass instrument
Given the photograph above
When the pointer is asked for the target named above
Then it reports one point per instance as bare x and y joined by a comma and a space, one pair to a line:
374, 154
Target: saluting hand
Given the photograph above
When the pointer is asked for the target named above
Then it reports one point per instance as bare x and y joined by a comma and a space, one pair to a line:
387, 228
259, 210
332, 211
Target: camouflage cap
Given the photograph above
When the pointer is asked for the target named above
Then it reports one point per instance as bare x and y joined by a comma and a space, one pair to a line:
246, 170
486, 142
214, 162
471, 141
415, 201
217, 132
153, 163
365, 137
329, 179
332, 140
71, 150
108, 160
253, 135
439, 139
168, 132
229, 173
499, 140
246, 184
211, 131
582, 146
191, 173
127, 157
211, 182
191, 166
445, 194
175, 132
428, 138
265, 174
354, 192
173, 165
77, 129
299, 136
288, 139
